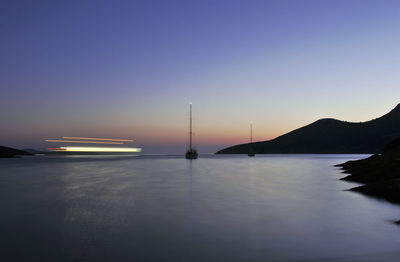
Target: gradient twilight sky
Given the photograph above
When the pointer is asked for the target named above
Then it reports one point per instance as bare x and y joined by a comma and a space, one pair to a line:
128, 69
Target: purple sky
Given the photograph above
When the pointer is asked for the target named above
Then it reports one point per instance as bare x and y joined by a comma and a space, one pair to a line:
128, 69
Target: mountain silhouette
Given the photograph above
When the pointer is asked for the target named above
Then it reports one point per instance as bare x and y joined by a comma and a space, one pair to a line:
330, 136
11, 152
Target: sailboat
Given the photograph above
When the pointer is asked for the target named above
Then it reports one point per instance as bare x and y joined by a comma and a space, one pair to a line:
251, 152
191, 153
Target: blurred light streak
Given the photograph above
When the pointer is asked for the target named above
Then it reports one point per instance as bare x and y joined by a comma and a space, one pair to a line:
55, 149
98, 149
82, 142
101, 139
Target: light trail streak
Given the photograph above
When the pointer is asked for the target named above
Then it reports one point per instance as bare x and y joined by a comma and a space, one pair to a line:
101, 139
83, 142
54, 149
98, 149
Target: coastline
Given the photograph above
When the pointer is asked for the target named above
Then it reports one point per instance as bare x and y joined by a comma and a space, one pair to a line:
379, 174
8, 152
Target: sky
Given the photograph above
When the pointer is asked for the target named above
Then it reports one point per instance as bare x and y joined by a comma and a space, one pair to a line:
128, 69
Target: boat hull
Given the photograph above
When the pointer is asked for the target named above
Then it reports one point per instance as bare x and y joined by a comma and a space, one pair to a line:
191, 154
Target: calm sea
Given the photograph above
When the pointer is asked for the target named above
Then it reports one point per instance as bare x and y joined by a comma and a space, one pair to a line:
216, 208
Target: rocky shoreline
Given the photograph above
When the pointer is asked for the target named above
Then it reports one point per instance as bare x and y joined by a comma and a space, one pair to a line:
380, 174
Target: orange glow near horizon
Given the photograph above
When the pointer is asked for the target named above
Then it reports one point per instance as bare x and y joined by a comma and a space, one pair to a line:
202, 135
83, 142
101, 139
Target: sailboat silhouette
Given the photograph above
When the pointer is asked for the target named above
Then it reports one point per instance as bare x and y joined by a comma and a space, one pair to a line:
251, 152
191, 153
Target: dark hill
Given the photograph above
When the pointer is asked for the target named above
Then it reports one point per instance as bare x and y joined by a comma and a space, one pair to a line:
11, 152
330, 136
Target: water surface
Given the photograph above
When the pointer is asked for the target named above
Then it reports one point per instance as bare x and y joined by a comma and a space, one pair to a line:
166, 208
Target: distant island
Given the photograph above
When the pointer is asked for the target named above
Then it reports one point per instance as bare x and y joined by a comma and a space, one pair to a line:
380, 173
330, 136
7, 152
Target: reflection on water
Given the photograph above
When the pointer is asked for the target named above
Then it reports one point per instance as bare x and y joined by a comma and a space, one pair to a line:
217, 208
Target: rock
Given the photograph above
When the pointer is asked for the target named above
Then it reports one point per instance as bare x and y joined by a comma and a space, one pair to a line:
379, 173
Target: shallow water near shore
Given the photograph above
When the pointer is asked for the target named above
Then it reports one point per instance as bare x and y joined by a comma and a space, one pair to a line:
166, 208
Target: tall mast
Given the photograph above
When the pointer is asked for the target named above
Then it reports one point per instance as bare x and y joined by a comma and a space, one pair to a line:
251, 133
251, 152
190, 147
